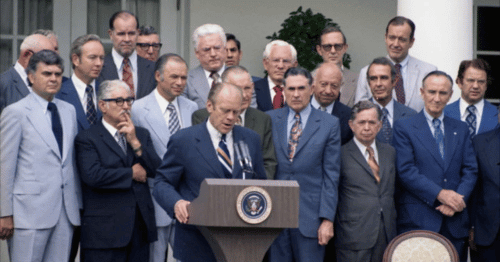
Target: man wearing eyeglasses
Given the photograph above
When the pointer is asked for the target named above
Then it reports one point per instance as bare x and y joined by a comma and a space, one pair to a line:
279, 56
399, 38
148, 43
114, 160
123, 63
209, 42
332, 47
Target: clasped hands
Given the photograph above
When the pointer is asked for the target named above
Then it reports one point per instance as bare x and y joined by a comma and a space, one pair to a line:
451, 202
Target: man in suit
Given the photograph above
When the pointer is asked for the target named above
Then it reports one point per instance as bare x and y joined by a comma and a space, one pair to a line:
381, 77
162, 113
307, 145
148, 43
209, 42
366, 214
250, 117
123, 63
480, 115
198, 152
326, 88
114, 161
279, 56
485, 201
40, 190
14, 82
399, 38
332, 46
436, 167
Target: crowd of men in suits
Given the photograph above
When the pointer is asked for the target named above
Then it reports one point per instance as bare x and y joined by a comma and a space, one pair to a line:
108, 159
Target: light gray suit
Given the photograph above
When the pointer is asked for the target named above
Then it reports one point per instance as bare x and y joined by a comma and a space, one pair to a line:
197, 87
37, 183
147, 113
363, 204
348, 88
416, 72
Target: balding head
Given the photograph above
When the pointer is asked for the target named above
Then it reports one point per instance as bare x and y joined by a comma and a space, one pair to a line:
327, 82
33, 44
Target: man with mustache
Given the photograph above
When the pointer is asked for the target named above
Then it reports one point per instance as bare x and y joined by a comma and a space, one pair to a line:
209, 42
123, 63
114, 160
399, 38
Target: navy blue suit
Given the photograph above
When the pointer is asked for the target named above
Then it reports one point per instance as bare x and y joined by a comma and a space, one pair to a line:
343, 113
145, 71
191, 158
423, 174
264, 102
12, 88
69, 94
489, 118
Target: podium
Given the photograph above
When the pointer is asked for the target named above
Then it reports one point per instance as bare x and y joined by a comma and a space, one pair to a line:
241, 218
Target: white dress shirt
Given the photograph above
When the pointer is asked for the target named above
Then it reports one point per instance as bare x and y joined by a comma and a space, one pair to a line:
80, 87
163, 103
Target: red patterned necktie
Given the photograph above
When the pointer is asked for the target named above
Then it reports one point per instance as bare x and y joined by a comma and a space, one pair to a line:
127, 76
278, 100
295, 134
215, 77
400, 90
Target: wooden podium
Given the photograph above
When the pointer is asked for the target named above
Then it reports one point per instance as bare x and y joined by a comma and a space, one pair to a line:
241, 218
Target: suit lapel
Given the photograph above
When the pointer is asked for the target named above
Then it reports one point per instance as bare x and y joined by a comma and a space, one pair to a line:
346, 92
250, 119
19, 83
154, 117
488, 111
206, 150
202, 86
68, 134
110, 141
69, 94
281, 126
311, 127
357, 156
424, 134
109, 69
185, 112
450, 140
39, 121
413, 72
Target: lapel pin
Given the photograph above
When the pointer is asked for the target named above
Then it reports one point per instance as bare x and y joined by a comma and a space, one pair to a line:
455, 133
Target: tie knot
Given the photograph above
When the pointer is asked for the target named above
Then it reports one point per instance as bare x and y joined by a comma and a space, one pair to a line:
52, 107
214, 75
223, 138
397, 66
171, 107
436, 123
370, 151
471, 109
125, 61
89, 89
297, 117
385, 112
278, 88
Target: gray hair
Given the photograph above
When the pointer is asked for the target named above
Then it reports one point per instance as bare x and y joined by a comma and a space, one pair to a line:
365, 105
267, 50
109, 86
438, 73
76, 46
208, 29
46, 32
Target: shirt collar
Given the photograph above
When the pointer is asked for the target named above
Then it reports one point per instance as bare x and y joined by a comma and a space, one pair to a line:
430, 118
109, 127
362, 148
315, 104
389, 106
162, 102
403, 63
304, 114
44, 103
463, 108
22, 73
215, 135
208, 73
80, 86
118, 59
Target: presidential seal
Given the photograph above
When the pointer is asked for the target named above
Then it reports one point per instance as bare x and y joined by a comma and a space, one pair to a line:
254, 205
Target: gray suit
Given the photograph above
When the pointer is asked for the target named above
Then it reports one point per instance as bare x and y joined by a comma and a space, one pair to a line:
348, 88
197, 87
416, 72
260, 123
363, 204
12, 88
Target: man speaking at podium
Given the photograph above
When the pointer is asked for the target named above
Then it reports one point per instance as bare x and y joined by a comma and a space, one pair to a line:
203, 151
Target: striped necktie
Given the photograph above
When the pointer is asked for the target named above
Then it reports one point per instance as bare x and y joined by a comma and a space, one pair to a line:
91, 111
399, 87
224, 157
173, 121
471, 120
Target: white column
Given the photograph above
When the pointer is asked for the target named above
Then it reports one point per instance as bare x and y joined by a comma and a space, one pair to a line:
443, 34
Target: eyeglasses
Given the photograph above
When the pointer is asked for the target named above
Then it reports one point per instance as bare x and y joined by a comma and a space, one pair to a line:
119, 101
145, 46
328, 47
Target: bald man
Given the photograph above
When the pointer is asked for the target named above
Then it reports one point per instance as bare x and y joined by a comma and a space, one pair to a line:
14, 82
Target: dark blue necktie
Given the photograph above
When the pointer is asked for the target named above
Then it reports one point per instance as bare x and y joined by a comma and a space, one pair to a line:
56, 125
471, 120
439, 136
91, 111
225, 158
386, 126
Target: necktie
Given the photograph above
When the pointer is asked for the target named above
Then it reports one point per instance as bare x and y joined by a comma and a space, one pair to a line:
294, 137
121, 141
400, 91
278, 100
56, 125
224, 157
471, 120
239, 121
322, 108
215, 77
373, 164
173, 121
438, 135
91, 112
386, 126
127, 76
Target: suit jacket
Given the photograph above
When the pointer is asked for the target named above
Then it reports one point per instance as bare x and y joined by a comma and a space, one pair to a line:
416, 72
489, 118
145, 72
190, 159
399, 111
146, 113
12, 88
361, 199
423, 173
264, 102
316, 166
197, 87
34, 174
348, 88
260, 123
69, 94
343, 113
110, 195
485, 201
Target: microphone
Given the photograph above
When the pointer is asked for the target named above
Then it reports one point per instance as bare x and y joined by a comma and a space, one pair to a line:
240, 159
246, 154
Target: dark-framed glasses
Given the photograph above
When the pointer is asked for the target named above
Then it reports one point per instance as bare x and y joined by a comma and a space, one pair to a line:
120, 100
328, 47
145, 46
